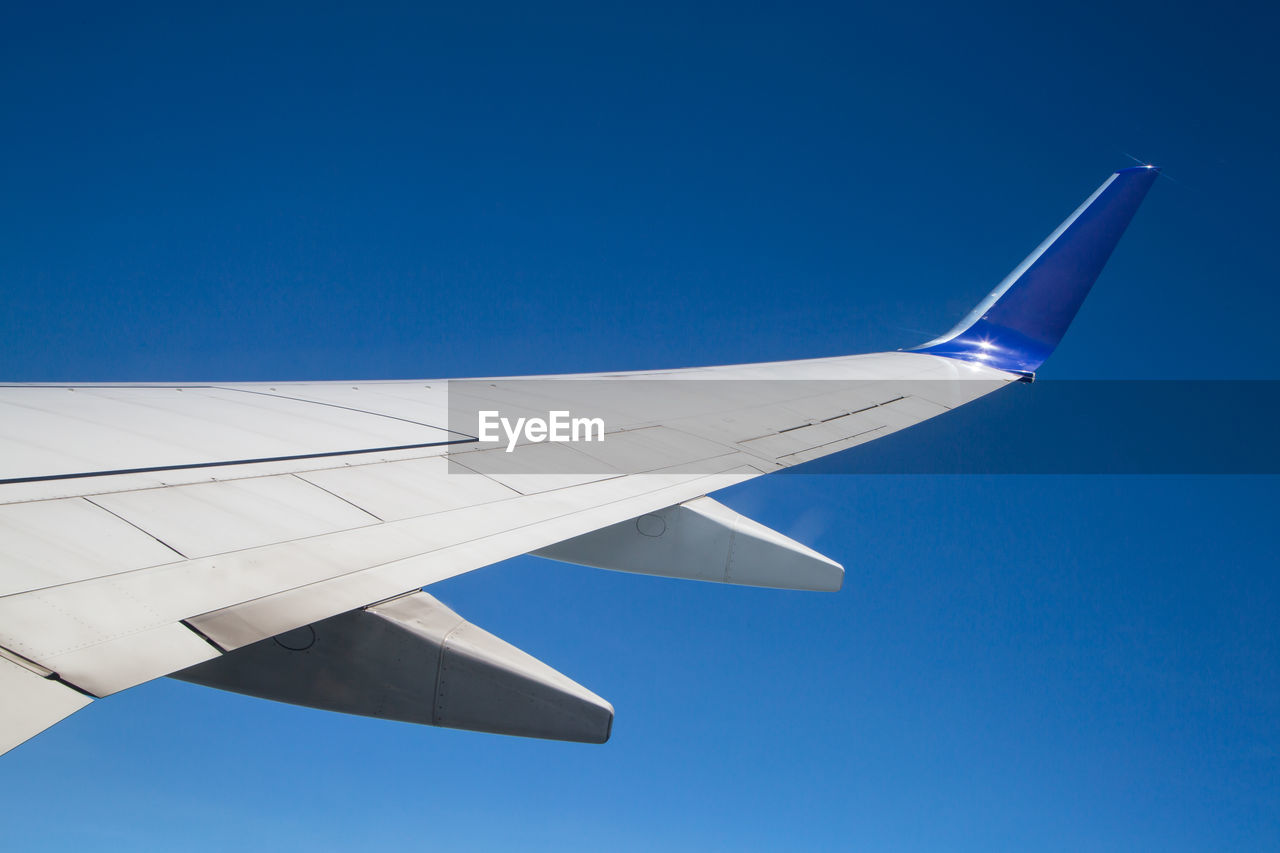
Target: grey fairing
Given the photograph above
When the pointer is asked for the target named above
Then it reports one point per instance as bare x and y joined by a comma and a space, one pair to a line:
702, 539
415, 660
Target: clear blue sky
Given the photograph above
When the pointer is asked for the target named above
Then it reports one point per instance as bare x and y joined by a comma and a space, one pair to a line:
1016, 662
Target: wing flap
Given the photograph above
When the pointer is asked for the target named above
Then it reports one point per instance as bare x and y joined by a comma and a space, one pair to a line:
131, 659
31, 703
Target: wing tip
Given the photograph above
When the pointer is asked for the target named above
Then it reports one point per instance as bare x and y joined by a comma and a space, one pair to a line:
1020, 323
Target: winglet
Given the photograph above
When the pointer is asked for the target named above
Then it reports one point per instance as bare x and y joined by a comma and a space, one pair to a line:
1020, 323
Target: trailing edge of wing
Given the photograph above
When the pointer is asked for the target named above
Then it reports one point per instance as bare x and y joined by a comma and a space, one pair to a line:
32, 701
1020, 323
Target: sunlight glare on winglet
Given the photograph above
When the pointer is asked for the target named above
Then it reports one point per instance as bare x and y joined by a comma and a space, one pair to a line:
1019, 324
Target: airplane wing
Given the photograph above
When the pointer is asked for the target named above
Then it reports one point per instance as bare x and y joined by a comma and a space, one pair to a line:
274, 538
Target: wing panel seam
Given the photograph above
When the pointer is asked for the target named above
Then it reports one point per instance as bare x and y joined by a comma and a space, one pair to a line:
189, 466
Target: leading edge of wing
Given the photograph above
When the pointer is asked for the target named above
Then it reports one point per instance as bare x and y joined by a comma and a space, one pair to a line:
1019, 324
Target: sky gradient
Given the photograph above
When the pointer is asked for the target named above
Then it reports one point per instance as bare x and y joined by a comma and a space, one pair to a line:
1016, 662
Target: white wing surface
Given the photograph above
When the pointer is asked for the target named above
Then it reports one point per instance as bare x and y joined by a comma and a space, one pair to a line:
271, 538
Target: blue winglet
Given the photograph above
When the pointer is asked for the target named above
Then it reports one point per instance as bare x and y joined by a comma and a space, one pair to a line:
1020, 323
